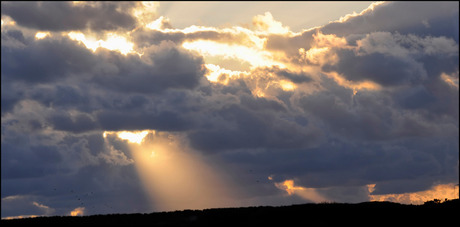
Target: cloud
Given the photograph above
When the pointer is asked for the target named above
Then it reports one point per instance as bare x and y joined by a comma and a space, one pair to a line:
50, 16
356, 102
28, 205
267, 23
442, 191
306, 193
385, 17
79, 211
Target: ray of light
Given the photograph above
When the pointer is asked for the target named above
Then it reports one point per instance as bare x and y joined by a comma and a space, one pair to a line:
173, 177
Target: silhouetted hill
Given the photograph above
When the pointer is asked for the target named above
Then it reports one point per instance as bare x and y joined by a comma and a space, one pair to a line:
433, 213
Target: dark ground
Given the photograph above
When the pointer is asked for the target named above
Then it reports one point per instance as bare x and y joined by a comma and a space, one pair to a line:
432, 213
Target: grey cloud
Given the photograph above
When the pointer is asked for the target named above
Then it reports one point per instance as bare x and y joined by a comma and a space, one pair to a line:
29, 205
402, 17
64, 16
172, 68
382, 69
395, 59
146, 37
46, 60
415, 97
79, 123
255, 123
164, 121
290, 45
287, 74
421, 19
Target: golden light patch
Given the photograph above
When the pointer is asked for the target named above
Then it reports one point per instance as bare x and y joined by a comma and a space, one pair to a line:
306, 193
79, 211
145, 12
258, 92
156, 24
41, 35
354, 14
78, 36
20, 217
321, 51
6, 20
288, 186
253, 56
287, 85
130, 136
356, 86
217, 74
113, 42
116, 42
451, 80
329, 40
268, 24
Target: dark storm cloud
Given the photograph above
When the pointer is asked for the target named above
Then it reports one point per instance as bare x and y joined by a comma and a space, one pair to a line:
64, 16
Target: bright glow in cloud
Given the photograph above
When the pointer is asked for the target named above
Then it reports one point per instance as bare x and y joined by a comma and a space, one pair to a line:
441, 191
354, 14
145, 12
215, 72
288, 186
268, 24
6, 20
287, 85
21, 216
79, 211
321, 51
451, 80
356, 86
133, 137
257, 58
306, 193
313, 55
156, 24
113, 42
41, 35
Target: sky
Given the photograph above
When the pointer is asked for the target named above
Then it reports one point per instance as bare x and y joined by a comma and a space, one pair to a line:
136, 107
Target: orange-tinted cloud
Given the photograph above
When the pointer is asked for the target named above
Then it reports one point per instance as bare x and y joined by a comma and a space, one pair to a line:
441, 191
79, 211
306, 193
